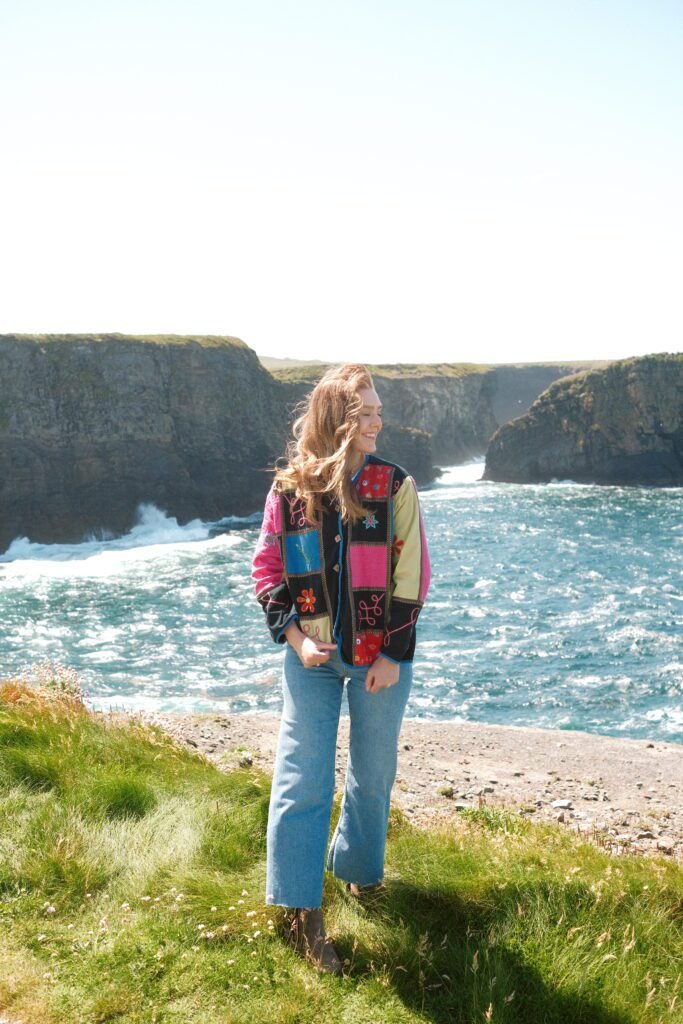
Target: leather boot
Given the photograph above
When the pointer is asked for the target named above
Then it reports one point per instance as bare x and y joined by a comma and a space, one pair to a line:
367, 894
304, 930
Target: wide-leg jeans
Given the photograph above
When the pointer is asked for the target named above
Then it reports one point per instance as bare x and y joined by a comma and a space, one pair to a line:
304, 778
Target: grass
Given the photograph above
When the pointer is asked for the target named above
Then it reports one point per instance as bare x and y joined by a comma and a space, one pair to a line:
310, 372
132, 876
204, 340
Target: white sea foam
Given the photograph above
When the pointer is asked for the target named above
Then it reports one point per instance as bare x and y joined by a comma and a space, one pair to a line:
152, 536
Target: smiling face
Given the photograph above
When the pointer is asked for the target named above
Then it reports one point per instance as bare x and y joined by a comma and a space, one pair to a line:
369, 426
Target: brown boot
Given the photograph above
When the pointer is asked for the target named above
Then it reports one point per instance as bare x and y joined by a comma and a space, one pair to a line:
368, 895
304, 930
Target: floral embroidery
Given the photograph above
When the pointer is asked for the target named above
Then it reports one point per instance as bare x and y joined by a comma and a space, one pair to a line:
270, 538
307, 600
397, 545
370, 521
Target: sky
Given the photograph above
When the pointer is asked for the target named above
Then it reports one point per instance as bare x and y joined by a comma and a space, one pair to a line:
481, 181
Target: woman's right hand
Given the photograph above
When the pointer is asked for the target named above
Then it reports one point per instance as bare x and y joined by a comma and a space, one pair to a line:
311, 652
314, 652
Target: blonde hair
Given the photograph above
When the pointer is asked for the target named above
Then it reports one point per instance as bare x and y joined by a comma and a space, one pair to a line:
320, 456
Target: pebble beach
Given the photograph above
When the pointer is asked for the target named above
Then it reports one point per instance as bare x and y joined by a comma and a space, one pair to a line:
624, 795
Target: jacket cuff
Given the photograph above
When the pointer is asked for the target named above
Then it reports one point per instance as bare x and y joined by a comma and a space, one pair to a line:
281, 638
279, 611
401, 629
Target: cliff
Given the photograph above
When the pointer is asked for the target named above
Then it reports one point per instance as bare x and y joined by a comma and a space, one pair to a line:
91, 426
459, 404
518, 385
619, 425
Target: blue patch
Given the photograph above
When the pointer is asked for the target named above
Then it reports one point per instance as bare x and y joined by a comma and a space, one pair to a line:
303, 552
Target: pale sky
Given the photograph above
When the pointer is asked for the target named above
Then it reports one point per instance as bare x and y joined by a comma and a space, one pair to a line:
375, 181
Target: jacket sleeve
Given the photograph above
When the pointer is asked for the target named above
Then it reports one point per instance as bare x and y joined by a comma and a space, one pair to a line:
267, 572
411, 571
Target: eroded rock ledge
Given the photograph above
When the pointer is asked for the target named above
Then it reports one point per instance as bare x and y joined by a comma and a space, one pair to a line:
618, 425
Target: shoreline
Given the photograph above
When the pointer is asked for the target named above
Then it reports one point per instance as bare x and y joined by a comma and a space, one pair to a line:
624, 795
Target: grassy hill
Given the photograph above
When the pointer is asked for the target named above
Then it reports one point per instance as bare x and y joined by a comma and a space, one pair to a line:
131, 890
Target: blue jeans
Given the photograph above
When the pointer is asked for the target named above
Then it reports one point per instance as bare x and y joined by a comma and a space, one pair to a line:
303, 779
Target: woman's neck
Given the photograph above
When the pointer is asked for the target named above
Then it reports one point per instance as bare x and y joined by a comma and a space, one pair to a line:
358, 464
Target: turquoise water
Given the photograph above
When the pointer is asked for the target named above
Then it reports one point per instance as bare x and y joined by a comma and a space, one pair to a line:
558, 605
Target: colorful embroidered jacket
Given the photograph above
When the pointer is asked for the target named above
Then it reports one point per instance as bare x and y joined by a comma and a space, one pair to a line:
361, 586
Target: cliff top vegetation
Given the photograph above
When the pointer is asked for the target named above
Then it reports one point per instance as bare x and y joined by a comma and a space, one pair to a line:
205, 340
312, 371
575, 384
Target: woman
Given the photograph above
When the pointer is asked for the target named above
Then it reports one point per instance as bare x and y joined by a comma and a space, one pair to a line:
341, 570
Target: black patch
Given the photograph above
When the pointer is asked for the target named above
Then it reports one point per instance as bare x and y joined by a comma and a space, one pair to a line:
380, 510
312, 602
370, 608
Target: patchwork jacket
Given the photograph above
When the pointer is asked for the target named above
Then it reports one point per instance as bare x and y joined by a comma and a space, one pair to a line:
360, 585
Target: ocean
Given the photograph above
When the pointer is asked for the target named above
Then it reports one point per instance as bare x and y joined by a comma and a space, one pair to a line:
556, 606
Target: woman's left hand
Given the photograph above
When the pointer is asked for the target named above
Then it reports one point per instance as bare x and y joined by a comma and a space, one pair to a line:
381, 674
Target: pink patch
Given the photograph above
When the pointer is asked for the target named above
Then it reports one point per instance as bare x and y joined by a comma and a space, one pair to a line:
275, 511
266, 568
368, 565
373, 482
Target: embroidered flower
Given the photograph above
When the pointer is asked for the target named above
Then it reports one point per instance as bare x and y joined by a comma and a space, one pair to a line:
370, 521
270, 538
397, 545
307, 600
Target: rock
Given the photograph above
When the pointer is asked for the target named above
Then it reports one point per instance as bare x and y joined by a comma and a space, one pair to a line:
563, 804
93, 425
618, 425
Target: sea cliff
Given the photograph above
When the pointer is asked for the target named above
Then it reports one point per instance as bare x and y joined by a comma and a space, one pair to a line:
459, 405
92, 426
619, 425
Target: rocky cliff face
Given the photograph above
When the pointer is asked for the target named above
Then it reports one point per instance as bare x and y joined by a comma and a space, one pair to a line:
619, 425
448, 402
516, 386
459, 405
91, 426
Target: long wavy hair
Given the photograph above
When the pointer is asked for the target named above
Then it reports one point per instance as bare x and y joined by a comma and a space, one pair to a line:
320, 456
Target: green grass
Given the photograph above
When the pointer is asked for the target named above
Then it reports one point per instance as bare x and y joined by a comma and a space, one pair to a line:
313, 371
132, 876
205, 340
